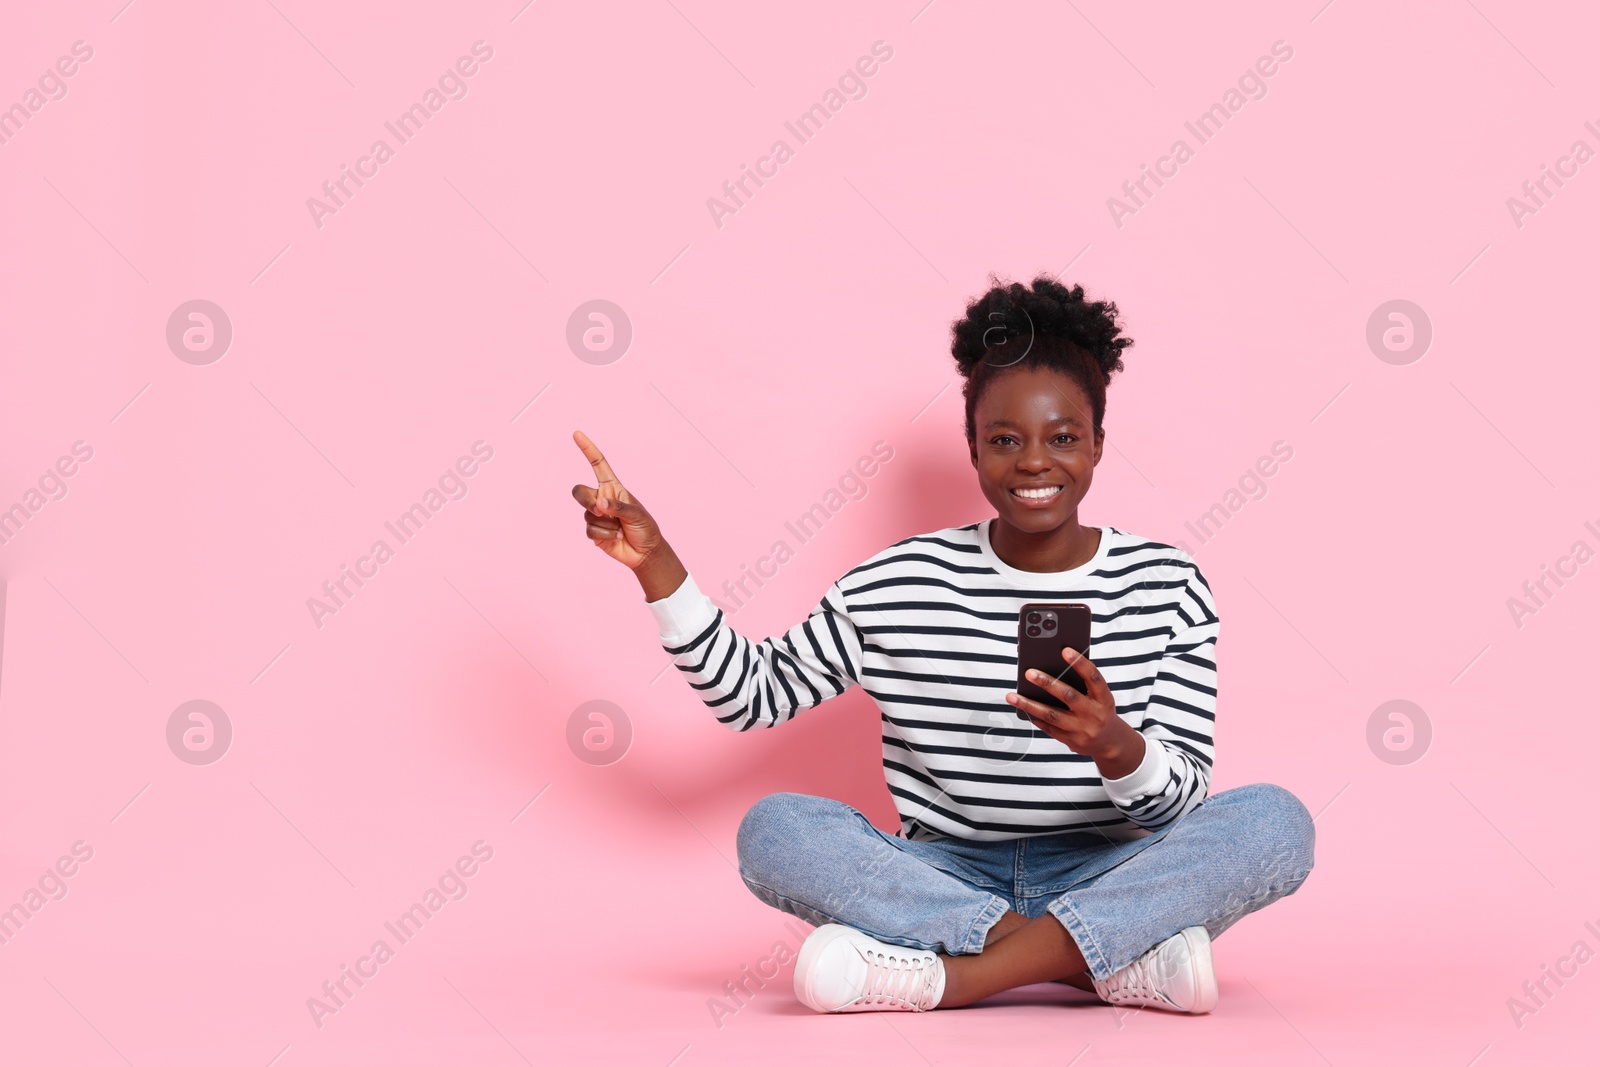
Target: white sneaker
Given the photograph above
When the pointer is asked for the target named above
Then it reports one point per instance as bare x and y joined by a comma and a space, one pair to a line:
840, 969
1176, 975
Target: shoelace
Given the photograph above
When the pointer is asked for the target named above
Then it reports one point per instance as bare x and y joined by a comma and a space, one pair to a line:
1134, 980
898, 979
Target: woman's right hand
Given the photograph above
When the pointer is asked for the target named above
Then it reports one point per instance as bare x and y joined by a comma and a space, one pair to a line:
616, 522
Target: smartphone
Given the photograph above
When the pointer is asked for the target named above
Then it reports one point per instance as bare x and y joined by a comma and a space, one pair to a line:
1043, 630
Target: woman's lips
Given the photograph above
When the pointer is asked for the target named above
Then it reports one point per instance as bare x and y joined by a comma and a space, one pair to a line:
1037, 499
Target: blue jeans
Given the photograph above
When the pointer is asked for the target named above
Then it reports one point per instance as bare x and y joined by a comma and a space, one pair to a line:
821, 860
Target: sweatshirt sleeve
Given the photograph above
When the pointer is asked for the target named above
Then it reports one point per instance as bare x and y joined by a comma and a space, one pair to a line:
1179, 720
747, 683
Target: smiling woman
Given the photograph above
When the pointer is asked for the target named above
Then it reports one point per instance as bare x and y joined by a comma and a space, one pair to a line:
1039, 361
1085, 848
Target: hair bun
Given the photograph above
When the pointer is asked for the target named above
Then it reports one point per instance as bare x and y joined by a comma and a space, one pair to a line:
1013, 312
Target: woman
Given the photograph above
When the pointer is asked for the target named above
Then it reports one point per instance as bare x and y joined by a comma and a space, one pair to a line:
1036, 844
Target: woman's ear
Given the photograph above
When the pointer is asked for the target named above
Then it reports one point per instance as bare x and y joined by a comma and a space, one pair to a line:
1099, 445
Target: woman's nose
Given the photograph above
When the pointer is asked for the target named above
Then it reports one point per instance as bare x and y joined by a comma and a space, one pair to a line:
1034, 459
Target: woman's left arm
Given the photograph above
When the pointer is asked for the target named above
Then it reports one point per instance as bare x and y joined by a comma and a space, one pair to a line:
1162, 770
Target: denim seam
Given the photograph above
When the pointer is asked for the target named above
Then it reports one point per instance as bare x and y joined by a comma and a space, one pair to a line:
1019, 871
1068, 916
753, 886
978, 931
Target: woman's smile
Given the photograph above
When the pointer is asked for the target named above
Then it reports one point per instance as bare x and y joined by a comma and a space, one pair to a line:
1036, 496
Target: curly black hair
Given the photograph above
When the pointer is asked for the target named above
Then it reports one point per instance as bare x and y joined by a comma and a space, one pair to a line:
1048, 326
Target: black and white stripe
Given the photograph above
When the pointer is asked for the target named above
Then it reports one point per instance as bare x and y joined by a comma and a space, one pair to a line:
928, 627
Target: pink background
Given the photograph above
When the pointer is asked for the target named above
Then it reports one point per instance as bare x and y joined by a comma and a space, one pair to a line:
768, 354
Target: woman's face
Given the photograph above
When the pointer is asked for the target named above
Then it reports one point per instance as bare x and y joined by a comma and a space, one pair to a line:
1035, 430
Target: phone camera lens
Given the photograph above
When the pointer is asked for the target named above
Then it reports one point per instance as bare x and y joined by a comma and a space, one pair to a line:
1033, 617
1033, 631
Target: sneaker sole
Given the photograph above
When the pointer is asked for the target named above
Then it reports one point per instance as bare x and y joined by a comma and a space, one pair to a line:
810, 949
1199, 942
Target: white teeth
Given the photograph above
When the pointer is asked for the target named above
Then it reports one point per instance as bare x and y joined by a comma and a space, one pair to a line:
1038, 494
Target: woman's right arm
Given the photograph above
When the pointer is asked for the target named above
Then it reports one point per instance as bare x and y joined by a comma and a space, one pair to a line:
748, 683
745, 683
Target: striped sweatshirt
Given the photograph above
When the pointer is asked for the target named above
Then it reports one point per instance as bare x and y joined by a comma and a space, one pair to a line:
928, 627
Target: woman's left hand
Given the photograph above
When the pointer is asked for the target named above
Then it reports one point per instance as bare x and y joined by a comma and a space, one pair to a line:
1090, 725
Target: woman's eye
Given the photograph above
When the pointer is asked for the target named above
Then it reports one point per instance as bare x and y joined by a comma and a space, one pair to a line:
1005, 438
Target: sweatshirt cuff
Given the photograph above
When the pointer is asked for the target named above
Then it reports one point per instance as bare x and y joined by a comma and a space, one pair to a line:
683, 613
1148, 778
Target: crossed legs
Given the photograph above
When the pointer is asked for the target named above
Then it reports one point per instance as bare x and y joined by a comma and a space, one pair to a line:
824, 862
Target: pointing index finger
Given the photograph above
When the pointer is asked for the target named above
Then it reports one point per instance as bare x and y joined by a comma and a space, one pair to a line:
602, 469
